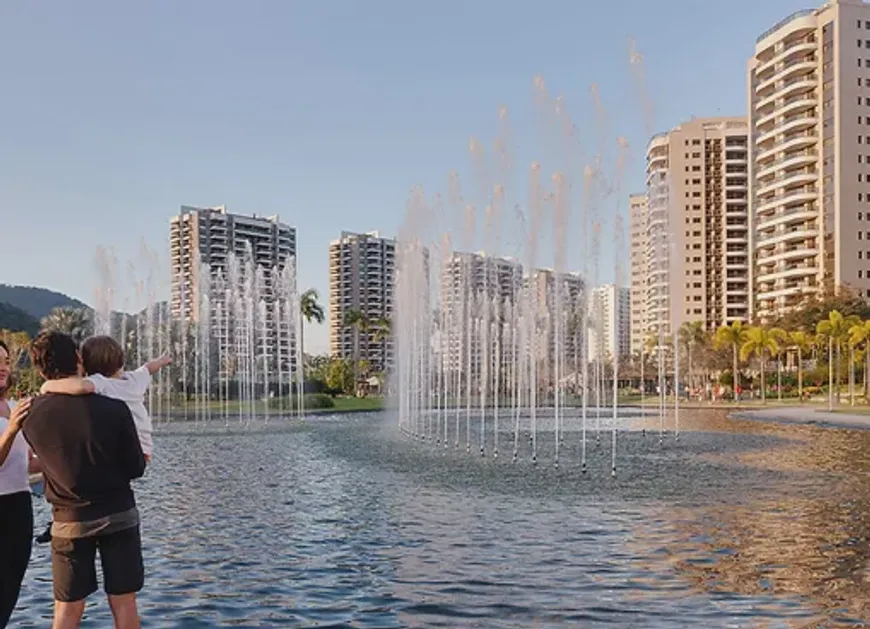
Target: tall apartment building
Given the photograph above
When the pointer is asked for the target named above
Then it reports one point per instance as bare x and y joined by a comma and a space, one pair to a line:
610, 316
572, 305
637, 268
809, 104
697, 237
202, 243
467, 280
361, 277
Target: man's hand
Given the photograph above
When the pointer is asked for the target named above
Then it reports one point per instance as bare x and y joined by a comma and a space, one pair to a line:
19, 414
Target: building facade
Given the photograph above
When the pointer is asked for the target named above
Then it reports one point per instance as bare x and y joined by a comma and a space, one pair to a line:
697, 237
610, 322
809, 104
474, 287
362, 270
638, 208
234, 276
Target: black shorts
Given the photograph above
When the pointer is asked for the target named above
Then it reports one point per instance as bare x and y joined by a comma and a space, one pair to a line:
73, 565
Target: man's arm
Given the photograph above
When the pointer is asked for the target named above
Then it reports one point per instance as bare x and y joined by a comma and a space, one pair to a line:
131, 459
13, 427
69, 386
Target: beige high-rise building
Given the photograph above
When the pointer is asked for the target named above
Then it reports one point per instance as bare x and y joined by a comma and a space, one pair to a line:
638, 269
697, 239
361, 275
809, 104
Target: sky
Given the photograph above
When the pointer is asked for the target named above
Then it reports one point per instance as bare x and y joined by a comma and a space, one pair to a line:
113, 115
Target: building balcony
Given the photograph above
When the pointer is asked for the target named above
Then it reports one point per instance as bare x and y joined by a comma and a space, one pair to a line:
784, 89
787, 69
784, 270
787, 253
789, 160
803, 196
798, 139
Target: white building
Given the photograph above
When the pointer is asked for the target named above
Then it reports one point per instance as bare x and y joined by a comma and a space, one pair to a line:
610, 322
809, 108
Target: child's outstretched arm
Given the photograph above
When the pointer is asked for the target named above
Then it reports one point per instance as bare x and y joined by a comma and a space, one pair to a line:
153, 366
68, 386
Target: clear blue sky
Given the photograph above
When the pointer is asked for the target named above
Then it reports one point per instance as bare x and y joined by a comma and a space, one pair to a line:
113, 114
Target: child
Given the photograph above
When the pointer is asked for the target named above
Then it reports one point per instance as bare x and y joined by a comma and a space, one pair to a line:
103, 362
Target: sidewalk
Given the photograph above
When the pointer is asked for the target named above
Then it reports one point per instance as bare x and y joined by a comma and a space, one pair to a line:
806, 415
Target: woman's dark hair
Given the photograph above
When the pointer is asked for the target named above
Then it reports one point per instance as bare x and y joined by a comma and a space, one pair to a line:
55, 355
5, 389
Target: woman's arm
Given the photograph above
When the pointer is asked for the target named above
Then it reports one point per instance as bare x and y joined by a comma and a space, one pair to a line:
16, 419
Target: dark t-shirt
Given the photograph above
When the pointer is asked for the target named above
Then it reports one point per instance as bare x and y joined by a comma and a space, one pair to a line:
89, 451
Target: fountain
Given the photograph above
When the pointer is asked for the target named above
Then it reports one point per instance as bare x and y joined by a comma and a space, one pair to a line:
481, 334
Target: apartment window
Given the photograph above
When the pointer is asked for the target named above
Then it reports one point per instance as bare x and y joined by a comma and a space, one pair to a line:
697, 298
696, 182
696, 194
867, 101
860, 216
696, 259
696, 142
696, 155
697, 284
688, 311
697, 271
867, 24
696, 207
687, 259
696, 169
696, 246
860, 235
860, 274
860, 197
859, 43
697, 311
687, 234
697, 219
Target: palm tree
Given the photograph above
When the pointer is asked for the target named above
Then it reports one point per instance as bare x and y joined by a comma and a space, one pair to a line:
310, 310
359, 322
76, 322
802, 342
761, 342
858, 334
731, 337
835, 329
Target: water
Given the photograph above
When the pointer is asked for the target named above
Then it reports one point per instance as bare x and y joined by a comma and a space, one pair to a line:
343, 522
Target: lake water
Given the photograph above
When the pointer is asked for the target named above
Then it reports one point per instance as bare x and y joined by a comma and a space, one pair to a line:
340, 522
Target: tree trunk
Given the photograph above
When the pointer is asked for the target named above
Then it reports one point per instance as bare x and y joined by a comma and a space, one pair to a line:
735, 380
867, 372
851, 374
800, 374
839, 368
831, 373
779, 377
763, 382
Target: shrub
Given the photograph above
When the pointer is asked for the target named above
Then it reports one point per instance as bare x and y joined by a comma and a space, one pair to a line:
318, 400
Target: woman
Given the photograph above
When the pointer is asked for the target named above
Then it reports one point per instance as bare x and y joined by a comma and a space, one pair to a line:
16, 511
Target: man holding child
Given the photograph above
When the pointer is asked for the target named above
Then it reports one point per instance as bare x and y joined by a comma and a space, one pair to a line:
91, 448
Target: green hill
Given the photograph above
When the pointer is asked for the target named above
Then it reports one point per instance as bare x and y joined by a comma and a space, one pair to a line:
16, 320
37, 302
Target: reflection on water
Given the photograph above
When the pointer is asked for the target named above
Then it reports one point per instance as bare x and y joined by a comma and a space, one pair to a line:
340, 524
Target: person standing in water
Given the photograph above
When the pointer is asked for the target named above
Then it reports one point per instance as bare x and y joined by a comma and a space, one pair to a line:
89, 451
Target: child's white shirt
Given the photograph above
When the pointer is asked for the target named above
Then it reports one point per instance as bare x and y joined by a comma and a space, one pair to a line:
130, 388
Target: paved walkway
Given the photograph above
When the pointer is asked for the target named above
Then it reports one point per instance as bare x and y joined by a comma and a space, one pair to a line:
805, 415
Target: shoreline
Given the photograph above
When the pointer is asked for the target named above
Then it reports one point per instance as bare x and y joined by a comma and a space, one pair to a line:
805, 415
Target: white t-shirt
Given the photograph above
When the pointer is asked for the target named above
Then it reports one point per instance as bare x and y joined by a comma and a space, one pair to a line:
130, 388
13, 473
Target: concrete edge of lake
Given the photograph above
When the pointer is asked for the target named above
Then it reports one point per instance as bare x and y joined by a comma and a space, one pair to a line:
805, 415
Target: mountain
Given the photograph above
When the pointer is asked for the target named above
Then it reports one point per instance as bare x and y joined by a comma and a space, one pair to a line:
36, 302
16, 320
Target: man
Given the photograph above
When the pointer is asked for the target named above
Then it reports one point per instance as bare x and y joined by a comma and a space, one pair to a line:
89, 452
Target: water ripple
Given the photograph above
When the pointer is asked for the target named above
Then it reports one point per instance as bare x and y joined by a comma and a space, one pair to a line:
339, 523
